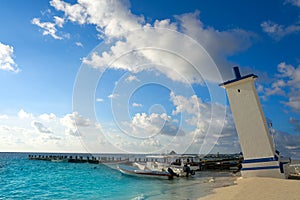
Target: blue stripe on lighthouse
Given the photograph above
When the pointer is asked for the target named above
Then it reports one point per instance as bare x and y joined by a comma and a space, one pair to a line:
258, 160
260, 168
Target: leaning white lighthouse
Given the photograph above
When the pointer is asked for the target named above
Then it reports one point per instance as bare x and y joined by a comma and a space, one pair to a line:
260, 157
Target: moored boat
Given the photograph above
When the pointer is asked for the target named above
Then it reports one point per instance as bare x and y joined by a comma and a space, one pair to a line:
145, 172
180, 165
294, 171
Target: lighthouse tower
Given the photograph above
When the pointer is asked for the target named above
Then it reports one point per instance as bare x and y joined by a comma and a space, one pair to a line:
260, 157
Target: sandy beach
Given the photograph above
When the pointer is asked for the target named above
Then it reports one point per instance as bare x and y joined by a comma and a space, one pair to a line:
258, 188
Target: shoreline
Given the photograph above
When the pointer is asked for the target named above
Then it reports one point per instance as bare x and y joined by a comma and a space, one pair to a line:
257, 188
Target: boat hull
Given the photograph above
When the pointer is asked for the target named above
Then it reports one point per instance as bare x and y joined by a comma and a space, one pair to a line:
134, 171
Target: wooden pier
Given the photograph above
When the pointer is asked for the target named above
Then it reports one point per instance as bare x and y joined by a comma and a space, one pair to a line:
206, 163
76, 159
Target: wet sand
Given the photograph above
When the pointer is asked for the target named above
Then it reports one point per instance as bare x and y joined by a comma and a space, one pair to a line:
258, 188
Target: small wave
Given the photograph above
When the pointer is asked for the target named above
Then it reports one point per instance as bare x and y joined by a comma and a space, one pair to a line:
139, 197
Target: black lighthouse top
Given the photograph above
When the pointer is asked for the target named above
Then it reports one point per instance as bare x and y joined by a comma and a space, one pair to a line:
238, 76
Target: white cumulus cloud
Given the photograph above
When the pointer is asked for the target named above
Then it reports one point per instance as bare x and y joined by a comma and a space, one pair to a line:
287, 84
47, 27
131, 78
152, 126
112, 96
3, 116
59, 21
22, 114
114, 20
47, 117
74, 119
287, 144
278, 31
7, 62
137, 105
79, 44
25, 131
99, 100
294, 2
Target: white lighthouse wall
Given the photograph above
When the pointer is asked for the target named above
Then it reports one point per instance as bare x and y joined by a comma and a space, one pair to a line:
273, 173
249, 120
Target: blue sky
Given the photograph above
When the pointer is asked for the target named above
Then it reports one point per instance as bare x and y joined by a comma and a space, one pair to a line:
142, 76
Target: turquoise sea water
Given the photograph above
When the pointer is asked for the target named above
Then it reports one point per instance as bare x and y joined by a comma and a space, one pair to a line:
21, 178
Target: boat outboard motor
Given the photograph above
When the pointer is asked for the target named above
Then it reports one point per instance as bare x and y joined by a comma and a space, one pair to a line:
188, 170
172, 172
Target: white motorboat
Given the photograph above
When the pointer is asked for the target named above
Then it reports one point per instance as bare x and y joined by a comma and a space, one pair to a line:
181, 165
143, 171
152, 168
